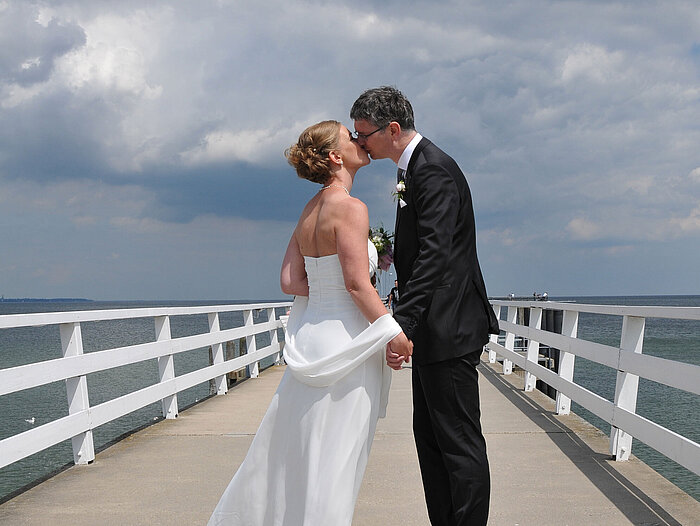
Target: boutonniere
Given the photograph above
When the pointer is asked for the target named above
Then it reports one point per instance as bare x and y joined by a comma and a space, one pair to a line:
399, 193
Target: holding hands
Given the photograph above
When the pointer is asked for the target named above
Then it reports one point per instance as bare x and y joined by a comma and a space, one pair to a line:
398, 351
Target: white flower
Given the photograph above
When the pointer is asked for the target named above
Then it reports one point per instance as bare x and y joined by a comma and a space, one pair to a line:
400, 186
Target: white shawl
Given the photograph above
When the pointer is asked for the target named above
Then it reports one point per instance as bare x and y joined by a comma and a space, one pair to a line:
331, 368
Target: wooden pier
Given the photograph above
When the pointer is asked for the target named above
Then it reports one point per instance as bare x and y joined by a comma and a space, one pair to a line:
545, 469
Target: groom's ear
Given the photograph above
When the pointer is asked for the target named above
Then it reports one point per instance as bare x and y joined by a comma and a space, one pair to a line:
394, 130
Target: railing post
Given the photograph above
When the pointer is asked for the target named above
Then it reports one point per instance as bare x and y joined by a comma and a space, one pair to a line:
494, 337
569, 327
510, 340
533, 347
274, 340
217, 353
166, 366
250, 343
626, 386
77, 392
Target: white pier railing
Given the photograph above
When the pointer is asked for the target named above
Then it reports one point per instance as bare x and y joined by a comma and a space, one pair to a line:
627, 360
74, 367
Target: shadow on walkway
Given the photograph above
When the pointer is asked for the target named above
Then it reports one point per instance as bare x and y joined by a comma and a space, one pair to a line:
595, 464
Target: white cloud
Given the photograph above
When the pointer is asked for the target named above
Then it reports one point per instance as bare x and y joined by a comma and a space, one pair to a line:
13, 95
501, 236
84, 220
253, 146
690, 223
583, 229
640, 184
117, 53
250, 146
592, 62
103, 67
31, 63
694, 175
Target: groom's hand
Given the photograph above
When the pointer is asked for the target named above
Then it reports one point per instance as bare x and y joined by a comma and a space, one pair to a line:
398, 351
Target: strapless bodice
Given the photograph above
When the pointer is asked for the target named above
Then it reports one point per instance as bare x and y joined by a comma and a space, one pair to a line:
326, 283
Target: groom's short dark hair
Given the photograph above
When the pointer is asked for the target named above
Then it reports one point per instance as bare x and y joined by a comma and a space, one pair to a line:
383, 105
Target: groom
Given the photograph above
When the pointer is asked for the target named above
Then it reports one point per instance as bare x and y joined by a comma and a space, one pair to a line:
443, 307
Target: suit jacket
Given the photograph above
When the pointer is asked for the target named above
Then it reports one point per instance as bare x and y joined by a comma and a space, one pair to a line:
443, 305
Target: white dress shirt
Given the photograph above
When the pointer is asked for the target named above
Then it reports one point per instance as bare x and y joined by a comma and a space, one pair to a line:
406, 155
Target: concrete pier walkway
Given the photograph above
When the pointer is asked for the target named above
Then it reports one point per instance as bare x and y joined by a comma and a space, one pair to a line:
545, 469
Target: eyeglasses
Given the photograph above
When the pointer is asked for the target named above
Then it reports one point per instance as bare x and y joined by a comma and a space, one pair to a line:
357, 136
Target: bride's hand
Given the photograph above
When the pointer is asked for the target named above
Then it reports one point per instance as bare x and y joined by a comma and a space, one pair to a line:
393, 360
398, 351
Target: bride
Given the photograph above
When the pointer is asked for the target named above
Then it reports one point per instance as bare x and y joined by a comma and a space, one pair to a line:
306, 462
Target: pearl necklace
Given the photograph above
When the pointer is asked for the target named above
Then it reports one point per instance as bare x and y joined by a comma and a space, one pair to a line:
337, 186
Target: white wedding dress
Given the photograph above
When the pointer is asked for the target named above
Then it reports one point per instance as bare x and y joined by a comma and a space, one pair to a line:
306, 462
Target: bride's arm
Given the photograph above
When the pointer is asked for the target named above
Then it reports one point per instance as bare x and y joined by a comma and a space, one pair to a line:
293, 278
351, 233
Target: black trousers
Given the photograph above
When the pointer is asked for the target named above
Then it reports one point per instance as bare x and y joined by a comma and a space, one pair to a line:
451, 447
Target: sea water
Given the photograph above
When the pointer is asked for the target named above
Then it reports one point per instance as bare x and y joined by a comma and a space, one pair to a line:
672, 339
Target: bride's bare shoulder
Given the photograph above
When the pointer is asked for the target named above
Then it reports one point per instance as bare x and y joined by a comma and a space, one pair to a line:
352, 213
351, 205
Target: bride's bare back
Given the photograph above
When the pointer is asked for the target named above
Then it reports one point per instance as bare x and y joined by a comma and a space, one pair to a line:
316, 231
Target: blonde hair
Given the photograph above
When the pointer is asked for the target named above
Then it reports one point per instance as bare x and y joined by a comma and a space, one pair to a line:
309, 155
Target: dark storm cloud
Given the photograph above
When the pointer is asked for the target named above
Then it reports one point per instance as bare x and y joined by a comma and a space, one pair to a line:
237, 190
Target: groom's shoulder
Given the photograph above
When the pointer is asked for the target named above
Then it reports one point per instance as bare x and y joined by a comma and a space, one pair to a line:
428, 153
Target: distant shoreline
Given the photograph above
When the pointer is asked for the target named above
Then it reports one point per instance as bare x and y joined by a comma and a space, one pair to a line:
43, 300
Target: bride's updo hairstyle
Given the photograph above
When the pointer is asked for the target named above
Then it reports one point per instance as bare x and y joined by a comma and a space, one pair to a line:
309, 156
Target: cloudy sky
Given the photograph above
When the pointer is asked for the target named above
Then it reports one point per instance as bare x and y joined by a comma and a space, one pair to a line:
141, 142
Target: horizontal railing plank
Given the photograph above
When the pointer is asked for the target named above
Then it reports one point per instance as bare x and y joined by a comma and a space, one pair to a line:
596, 352
118, 407
54, 318
676, 447
650, 311
680, 375
41, 373
594, 403
27, 443
675, 374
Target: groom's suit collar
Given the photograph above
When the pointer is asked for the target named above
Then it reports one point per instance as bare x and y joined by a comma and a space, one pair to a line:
416, 154
408, 152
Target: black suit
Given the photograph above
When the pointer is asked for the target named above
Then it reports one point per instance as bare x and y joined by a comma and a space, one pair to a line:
444, 310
